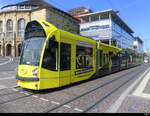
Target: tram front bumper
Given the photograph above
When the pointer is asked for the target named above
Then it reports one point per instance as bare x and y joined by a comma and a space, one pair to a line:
28, 83
27, 79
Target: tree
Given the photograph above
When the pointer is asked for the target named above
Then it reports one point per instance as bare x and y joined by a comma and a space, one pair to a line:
68, 27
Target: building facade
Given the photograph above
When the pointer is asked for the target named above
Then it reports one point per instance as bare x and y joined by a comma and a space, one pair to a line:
13, 20
108, 27
76, 12
138, 45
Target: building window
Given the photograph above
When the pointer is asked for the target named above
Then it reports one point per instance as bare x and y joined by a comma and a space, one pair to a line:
34, 6
9, 27
105, 16
22, 7
27, 7
95, 18
1, 26
21, 28
96, 27
0, 50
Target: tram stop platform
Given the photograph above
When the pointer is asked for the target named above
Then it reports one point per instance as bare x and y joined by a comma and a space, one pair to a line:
136, 99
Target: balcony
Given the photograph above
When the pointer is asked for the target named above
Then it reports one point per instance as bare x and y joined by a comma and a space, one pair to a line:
9, 35
18, 8
98, 34
12, 35
20, 35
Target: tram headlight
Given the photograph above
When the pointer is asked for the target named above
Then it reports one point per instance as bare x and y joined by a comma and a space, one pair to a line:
35, 72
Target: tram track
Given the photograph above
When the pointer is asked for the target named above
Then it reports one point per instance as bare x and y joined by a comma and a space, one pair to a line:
14, 93
93, 105
94, 89
66, 103
11, 100
10, 93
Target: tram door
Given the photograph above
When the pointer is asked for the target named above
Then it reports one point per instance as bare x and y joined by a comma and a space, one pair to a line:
65, 63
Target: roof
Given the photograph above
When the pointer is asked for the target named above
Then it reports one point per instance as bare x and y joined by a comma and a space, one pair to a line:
99, 12
30, 2
138, 38
114, 14
41, 4
78, 10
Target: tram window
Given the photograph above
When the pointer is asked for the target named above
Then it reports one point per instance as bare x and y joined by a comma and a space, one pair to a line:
65, 56
106, 56
104, 60
84, 57
101, 53
34, 29
50, 59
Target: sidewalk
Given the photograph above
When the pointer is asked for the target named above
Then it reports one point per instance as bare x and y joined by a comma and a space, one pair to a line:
138, 101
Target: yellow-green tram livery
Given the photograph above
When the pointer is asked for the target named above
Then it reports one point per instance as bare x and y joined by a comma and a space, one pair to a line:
53, 58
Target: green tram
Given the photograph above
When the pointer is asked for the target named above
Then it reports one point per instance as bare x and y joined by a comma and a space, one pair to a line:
53, 58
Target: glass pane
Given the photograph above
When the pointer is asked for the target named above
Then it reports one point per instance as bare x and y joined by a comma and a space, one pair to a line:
65, 56
1, 26
21, 24
50, 59
9, 25
84, 57
32, 49
101, 53
34, 29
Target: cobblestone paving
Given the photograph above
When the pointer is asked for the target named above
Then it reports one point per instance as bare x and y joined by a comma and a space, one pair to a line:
33, 101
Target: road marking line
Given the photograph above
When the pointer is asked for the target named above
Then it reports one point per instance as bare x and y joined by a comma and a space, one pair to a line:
67, 106
59, 111
77, 109
15, 86
10, 59
114, 107
145, 95
44, 99
141, 87
15, 90
55, 102
21, 92
26, 93
35, 96
3, 87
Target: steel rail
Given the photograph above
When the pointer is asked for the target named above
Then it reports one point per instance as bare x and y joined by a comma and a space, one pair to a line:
11, 100
89, 91
10, 93
110, 93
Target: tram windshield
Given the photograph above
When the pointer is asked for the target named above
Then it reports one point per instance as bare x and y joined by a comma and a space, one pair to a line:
32, 49
33, 44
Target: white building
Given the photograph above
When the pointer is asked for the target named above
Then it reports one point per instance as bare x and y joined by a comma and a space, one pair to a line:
138, 45
107, 27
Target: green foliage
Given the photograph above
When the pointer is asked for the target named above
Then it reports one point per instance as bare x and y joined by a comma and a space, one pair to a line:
67, 27
130, 51
145, 55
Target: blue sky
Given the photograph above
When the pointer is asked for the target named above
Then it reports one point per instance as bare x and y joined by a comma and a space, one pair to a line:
135, 13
